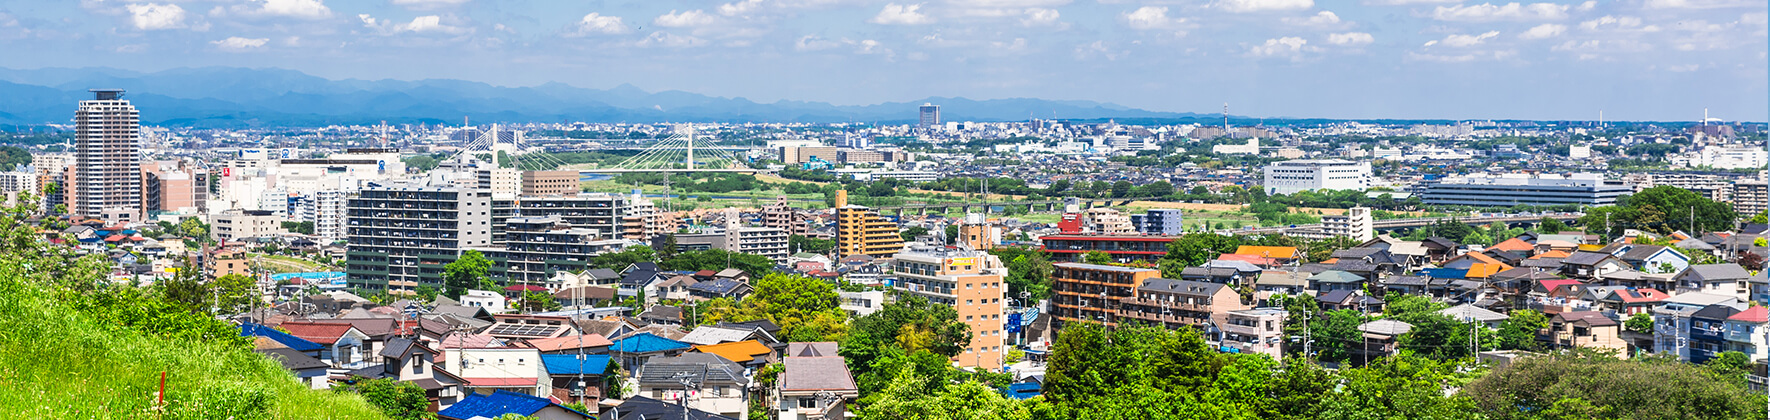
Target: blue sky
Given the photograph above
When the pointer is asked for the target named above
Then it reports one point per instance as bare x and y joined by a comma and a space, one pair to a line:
1632, 59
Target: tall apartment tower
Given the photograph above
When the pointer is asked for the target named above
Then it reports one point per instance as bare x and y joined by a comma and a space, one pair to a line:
860, 230
930, 116
106, 172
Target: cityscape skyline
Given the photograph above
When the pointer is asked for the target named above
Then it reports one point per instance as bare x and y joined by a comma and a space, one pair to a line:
1661, 60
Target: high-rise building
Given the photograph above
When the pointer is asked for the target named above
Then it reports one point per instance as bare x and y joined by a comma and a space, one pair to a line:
1357, 224
402, 236
860, 230
1749, 197
929, 116
602, 213
971, 282
537, 247
1160, 222
106, 172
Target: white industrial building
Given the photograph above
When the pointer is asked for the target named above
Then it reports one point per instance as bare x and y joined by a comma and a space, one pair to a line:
1293, 176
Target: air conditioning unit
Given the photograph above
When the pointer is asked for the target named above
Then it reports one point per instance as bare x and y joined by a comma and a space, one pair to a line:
577, 393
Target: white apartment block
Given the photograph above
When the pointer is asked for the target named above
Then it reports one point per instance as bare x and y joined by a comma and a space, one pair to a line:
1293, 176
1357, 224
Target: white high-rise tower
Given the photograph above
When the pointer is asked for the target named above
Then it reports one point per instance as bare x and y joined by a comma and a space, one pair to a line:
106, 172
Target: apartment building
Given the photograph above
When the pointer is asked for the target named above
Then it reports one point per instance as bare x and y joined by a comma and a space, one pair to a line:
234, 225
1180, 303
860, 230
106, 171
502, 182
1093, 293
1750, 197
329, 214
1257, 331
602, 213
1294, 176
1160, 222
765, 241
782, 215
970, 281
1584, 189
1107, 221
537, 247
564, 183
1122, 248
645, 220
402, 236
1357, 224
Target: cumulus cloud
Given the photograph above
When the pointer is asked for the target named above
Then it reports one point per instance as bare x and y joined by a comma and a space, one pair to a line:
1099, 49
1151, 18
1509, 11
234, 43
1618, 24
684, 19
1461, 40
815, 43
1701, 4
597, 24
1241, 6
1289, 45
431, 24
901, 14
1320, 19
1464, 57
1041, 17
305, 9
740, 8
1351, 38
154, 16
1547, 30
427, 4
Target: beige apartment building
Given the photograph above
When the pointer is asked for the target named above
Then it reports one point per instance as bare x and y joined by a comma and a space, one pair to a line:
860, 230
106, 171
972, 283
1094, 293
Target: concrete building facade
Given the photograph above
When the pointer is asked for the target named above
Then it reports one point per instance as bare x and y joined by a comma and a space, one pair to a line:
401, 237
106, 172
972, 282
1293, 176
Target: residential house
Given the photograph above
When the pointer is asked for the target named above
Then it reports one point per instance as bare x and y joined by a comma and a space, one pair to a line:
506, 368
1591, 265
283, 339
1349, 299
1331, 280
1439, 249
407, 360
499, 403
1281, 255
674, 287
1760, 287
637, 279
720, 287
1745, 333
1672, 320
1471, 313
1380, 338
576, 378
717, 385
1720, 279
309, 370
633, 350
1220, 275
344, 344
1370, 263
1587, 329
749, 353
1257, 331
1407, 285
1274, 282
1630, 301
1178, 303
644, 408
491, 301
530, 327
1651, 258
859, 304
814, 388
1708, 333
587, 296
571, 344
662, 315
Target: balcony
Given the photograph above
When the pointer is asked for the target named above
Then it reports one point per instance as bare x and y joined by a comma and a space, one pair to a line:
1247, 330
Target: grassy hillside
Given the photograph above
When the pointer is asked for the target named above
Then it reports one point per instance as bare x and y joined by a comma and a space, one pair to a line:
73, 348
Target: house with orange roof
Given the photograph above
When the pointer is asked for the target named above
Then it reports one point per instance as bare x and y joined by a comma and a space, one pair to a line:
1283, 254
1556, 253
1479, 266
748, 353
1514, 244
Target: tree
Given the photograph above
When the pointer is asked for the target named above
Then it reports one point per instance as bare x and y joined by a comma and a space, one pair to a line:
539, 301
1752, 261
397, 399
1156, 189
1397, 388
467, 272
801, 243
669, 249
1199, 248
1336, 334
912, 232
909, 331
1640, 323
192, 227
952, 233
1759, 218
620, 260
1097, 257
1029, 271
1551, 226
1121, 189
1519, 331
805, 308
914, 397
1602, 386
716, 259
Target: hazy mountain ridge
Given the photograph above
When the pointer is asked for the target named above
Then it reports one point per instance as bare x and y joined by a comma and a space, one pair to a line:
232, 97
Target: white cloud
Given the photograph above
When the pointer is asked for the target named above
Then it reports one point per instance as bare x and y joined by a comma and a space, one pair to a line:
815, 43
1509, 11
1701, 4
740, 8
1547, 30
427, 4
668, 40
1280, 46
595, 23
1404, 2
1239, 6
1351, 38
1618, 24
1042, 17
1587, 6
1594, 49
305, 9
1323, 18
1152, 18
429, 24
234, 43
1100, 49
1465, 57
154, 16
1683, 68
901, 14
684, 19
1460, 40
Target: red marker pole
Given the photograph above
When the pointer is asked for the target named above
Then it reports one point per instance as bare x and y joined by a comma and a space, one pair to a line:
162, 388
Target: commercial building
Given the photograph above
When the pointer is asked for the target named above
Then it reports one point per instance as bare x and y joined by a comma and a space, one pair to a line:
970, 281
106, 172
928, 116
802, 154
1160, 222
1584, 189
1122, 248
1293, 176
537, 247
1092, 293
563, 183
234, 225
860, 230
402, 236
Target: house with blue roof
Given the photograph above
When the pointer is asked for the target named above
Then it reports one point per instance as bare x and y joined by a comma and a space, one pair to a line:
576, 377
501, 402
634, 349
292, 342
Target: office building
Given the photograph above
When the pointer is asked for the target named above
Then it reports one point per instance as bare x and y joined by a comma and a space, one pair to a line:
233, 225
106, 172
537, 247
802, 154
1293, 176
970, 281
1092, 293
402, 236
564, 183
860, 230
859, 156
928, 116
1160, 222
1582, 189
1749, 197
1123, 248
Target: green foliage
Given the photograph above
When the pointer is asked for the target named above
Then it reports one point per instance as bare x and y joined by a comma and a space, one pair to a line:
1029, 271
1585, 384
801, 243
466, 272
1661, 210
1337, 334
1397, 388
421, 162
1730, 364
540, 301
910, 396
1097, 257
620, 260
399, 400
12, 156
718, 259
1641, 323
1197, 249
305, 228
908, 331
912, 232
1551, 226
1519, 331
805, 308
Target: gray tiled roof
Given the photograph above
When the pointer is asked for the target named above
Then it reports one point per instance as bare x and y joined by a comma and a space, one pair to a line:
1714, 272
816, 373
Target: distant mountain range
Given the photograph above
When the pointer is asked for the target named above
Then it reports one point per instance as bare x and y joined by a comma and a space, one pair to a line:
242, 97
